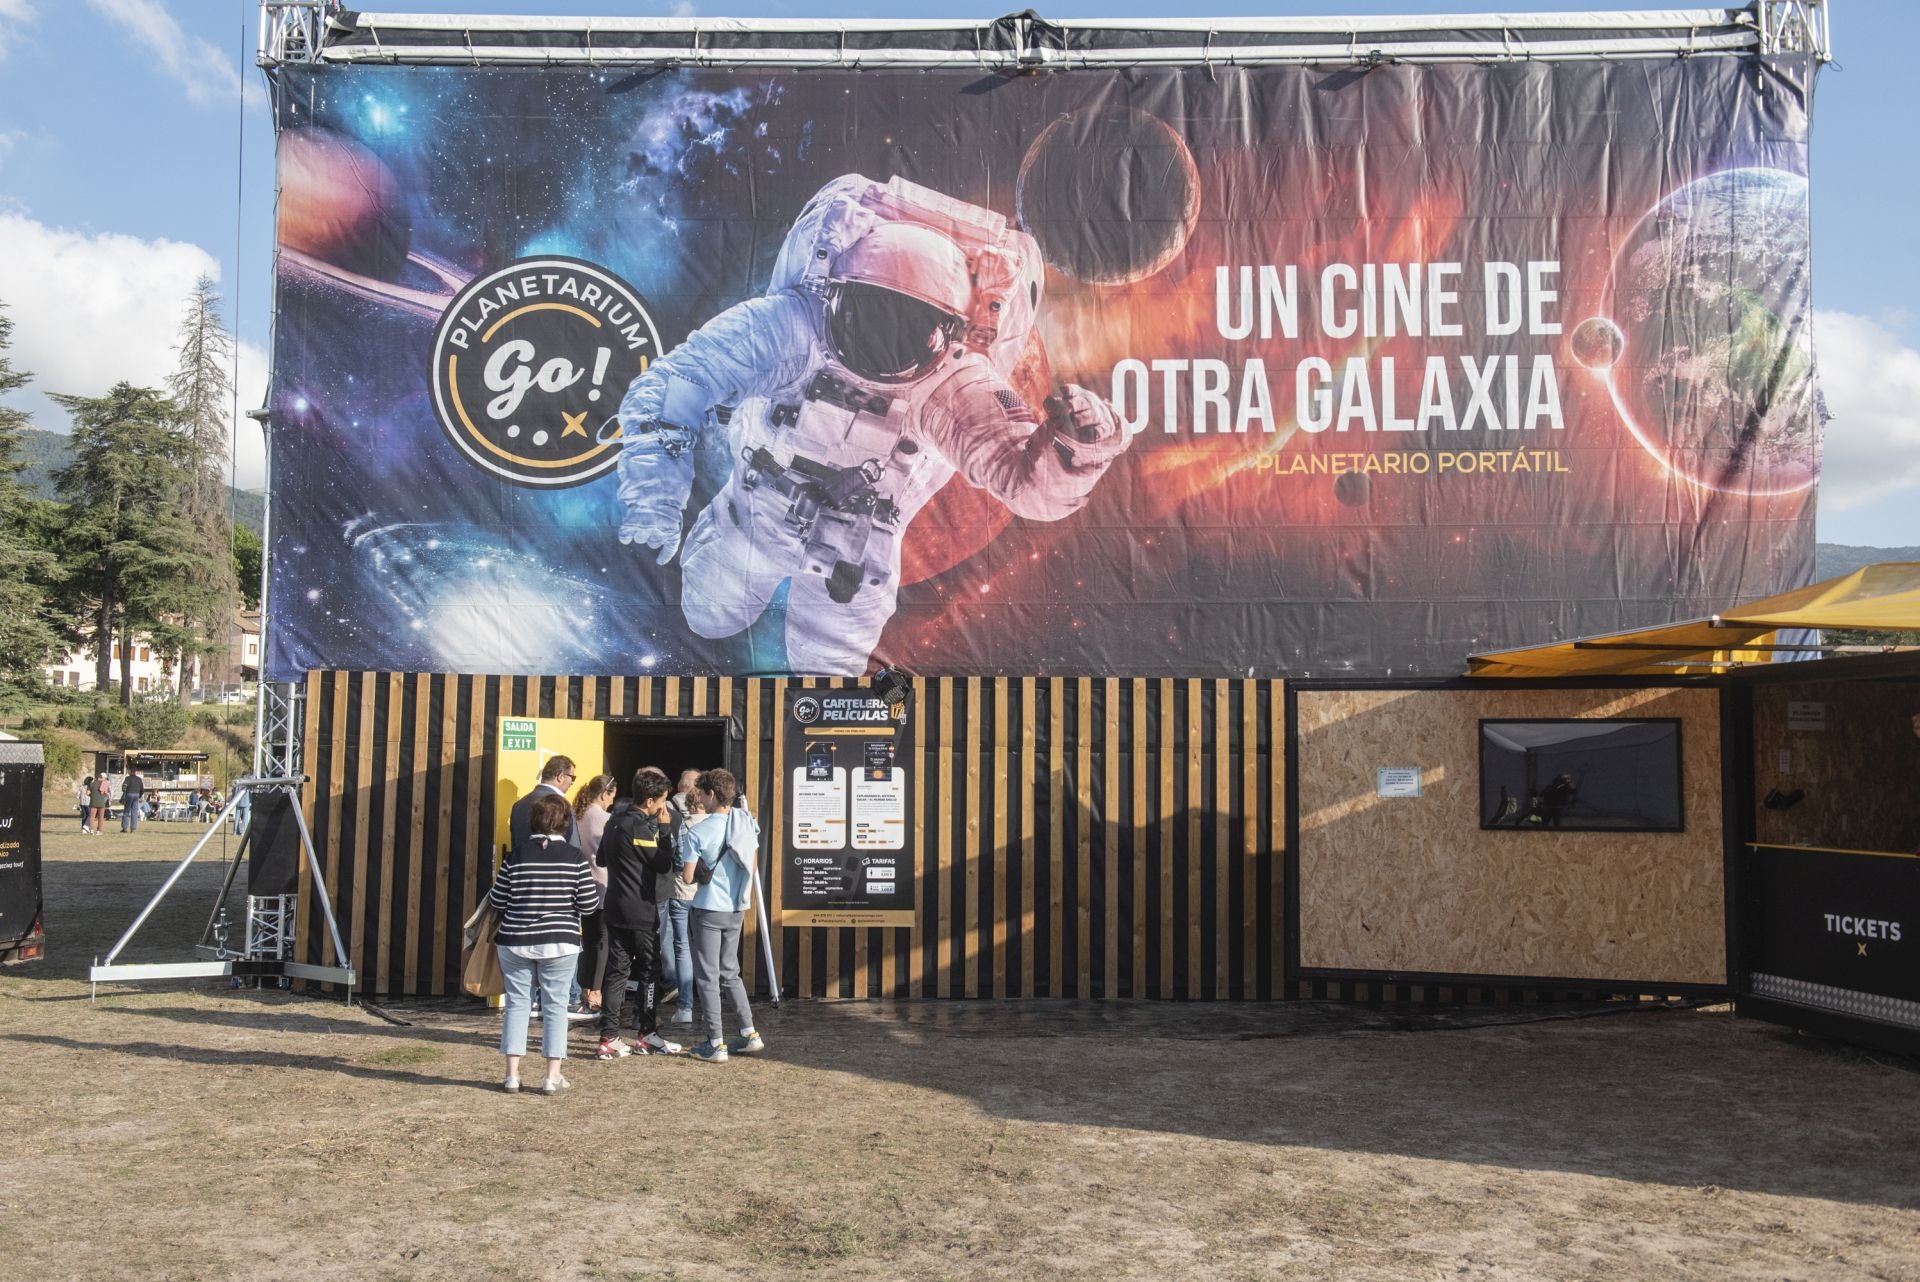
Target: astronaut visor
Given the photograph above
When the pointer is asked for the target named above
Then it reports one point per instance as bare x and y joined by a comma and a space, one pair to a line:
880, 334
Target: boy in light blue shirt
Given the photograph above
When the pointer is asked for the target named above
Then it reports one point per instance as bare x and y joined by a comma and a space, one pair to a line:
724, 843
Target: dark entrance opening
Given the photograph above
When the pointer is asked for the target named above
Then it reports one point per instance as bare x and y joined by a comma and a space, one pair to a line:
671, 743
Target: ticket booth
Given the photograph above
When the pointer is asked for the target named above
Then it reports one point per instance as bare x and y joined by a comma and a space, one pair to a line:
1829, 913
1819, 692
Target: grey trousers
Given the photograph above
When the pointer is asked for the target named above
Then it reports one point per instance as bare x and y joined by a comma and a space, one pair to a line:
716, 966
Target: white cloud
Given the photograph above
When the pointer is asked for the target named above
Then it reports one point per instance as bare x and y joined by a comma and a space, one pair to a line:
1871, 379
93, 309
203, 70
13, 13
682, 9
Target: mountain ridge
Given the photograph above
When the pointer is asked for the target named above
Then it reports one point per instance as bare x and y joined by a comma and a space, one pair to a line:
47, 452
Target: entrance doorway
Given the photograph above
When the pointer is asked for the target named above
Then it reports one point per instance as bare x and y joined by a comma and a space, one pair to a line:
671, 743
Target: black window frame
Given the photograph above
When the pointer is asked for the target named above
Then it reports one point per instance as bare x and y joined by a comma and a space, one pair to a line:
1679, 773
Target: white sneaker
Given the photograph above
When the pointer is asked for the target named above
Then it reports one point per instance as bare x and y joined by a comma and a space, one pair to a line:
654, 1044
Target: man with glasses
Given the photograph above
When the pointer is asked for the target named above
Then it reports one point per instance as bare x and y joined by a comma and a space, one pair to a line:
556, 778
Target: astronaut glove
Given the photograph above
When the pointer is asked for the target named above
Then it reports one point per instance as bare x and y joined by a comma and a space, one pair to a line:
1086, 432
656, 476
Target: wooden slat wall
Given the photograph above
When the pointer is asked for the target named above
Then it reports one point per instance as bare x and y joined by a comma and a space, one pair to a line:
1079, 837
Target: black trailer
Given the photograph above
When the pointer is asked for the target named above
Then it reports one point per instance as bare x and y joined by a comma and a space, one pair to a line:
22, 774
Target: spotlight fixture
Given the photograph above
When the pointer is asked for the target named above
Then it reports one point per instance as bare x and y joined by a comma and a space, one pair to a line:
893, 686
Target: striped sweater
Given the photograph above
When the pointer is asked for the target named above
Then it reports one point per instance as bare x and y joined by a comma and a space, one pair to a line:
541, 892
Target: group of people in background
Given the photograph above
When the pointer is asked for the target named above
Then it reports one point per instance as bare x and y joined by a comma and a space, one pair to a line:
612, 907
94, 795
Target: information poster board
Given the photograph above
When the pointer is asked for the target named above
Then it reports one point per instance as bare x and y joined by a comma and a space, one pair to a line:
847, 845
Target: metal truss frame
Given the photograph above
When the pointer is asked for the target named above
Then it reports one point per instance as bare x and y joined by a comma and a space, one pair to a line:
321, 31
223, 961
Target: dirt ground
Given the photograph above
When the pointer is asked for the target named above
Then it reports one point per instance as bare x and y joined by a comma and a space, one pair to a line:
181, 1130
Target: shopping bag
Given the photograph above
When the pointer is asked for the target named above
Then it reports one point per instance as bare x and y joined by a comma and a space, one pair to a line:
479, 960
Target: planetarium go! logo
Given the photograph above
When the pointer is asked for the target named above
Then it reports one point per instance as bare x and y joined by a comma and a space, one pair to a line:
806, 710
529, 364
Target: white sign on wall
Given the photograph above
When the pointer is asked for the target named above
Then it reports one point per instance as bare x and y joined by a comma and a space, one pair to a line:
1397, 781
1806, 714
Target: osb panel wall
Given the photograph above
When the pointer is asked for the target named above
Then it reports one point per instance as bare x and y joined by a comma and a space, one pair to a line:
1415, 885
1861, 774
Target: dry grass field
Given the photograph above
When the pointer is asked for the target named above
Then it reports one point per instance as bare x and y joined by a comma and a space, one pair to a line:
182, 1130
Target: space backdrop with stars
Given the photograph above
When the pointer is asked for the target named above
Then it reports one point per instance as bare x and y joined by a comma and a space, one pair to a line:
1423, 360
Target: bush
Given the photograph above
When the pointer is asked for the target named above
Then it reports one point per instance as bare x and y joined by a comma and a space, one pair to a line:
113, 723
207, 719
38, 721
63, 757
74, 718
158, 723
240, 716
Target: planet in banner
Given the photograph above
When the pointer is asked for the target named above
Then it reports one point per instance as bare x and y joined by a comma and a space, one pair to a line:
1711, 292
1099, 226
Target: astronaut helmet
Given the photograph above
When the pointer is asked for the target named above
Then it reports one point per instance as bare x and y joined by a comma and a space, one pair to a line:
897, 299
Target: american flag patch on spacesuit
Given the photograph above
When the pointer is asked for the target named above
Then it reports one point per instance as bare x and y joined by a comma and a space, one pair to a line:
1011, 403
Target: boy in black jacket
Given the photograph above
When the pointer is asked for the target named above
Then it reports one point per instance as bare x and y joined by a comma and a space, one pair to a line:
635, 849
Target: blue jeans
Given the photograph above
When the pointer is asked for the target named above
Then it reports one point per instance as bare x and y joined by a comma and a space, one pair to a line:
676, 949
551, 974
130, 813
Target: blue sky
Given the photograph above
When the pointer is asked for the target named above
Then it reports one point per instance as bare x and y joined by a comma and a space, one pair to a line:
121, 126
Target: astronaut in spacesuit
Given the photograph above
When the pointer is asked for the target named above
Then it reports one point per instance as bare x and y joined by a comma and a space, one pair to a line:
875, 367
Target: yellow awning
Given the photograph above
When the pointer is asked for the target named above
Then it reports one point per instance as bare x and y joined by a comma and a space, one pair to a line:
1878, 597
1875, 597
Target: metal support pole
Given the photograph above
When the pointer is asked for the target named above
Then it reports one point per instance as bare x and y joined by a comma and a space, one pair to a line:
173, 877
320, 891
766, 931
226, 887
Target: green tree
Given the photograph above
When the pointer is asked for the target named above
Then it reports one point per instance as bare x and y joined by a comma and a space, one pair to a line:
246, 565
27, 639
113, 723
202, 390
130, 545
158, 723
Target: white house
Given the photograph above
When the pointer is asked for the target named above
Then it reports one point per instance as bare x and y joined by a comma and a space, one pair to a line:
75, 671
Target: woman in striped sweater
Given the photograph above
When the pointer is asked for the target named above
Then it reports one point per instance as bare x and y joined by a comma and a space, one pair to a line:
542, 891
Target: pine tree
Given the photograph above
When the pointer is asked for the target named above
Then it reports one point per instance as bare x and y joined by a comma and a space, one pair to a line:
131, 545
203, 390
27, 641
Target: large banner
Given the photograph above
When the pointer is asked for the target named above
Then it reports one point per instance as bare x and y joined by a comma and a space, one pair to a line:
1198, 371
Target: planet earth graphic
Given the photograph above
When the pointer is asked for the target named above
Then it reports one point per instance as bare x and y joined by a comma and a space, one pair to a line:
1111, 195
1711, 294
